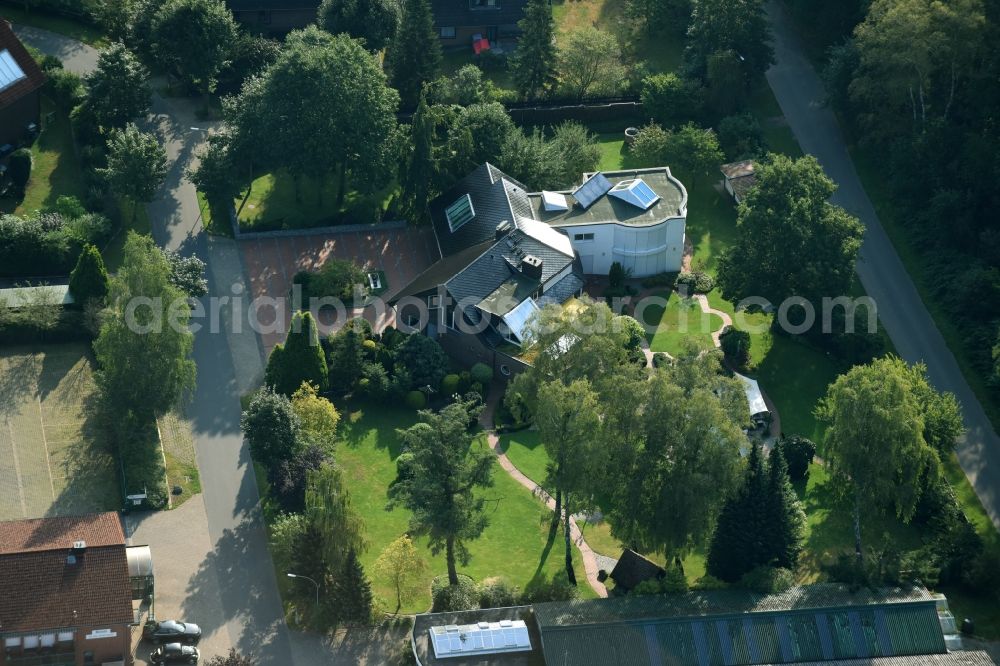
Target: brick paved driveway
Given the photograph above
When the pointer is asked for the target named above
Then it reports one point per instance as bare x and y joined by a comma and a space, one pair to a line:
271, 263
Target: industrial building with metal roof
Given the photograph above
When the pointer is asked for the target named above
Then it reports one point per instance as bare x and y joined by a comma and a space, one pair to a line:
817, 624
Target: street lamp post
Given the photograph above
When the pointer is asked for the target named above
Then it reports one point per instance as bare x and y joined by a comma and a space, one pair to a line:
291, 575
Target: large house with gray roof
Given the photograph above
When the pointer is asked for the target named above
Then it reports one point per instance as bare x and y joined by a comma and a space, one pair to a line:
507, 252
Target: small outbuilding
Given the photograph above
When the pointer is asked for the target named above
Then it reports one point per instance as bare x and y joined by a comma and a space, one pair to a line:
21, 80
739, 178
633, 569
759, 413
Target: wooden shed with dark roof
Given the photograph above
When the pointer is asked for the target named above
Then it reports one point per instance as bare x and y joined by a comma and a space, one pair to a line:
65, 594
21, 80
632, 569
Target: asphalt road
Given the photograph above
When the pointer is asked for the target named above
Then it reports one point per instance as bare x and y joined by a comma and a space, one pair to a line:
800, 94
237, 571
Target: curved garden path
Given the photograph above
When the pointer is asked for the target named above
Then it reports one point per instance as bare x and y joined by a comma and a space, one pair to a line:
708, 309
586, 554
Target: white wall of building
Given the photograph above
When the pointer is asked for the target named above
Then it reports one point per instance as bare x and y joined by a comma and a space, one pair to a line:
646, 250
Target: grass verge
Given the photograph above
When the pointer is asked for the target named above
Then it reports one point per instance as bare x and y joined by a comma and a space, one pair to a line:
178, 450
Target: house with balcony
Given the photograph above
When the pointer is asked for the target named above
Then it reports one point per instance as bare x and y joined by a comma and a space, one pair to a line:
65, 592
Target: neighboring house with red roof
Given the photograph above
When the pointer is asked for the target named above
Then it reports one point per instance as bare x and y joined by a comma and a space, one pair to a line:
21, 80
65, 593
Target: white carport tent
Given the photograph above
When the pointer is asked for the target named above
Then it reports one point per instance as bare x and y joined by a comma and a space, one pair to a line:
755, 399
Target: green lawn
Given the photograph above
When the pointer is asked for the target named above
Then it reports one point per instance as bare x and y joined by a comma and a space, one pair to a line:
178, 451
272, 204
55, 171
517, 545
215, 222
78, 30
682, 319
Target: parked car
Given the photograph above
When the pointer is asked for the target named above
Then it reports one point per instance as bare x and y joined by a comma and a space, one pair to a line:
172, 631
175, 653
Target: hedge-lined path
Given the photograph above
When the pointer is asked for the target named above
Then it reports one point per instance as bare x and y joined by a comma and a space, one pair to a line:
588, 556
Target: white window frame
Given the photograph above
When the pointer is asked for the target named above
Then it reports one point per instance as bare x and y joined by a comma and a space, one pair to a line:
583, 237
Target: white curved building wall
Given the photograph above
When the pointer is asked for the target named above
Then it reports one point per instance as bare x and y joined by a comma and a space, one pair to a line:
645, 250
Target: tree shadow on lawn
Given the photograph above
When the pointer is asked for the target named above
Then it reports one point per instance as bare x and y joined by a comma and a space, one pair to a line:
362, 421
831, 525
20, 370
87, 467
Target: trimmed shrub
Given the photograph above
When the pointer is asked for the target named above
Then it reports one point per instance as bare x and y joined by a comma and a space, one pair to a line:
65, 88
660, 280
768, 580
497, 593
798, 453
416, 400
697, 282
675, 582
89, 280
709, 582
449, 385
617, 276
420, 362
481, 373
19, 167
646, 588
542, 589
453, 598
736, 346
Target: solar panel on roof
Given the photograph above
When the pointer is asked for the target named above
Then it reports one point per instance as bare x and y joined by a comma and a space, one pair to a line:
472, 639
592, 189
460, 212
10, 71
635, 192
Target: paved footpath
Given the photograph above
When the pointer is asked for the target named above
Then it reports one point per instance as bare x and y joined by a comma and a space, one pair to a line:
586, 554
800, 94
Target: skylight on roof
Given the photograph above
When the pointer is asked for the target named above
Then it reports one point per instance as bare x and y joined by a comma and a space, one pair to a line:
10, 71
460, 212
554, 201
635, 192
517, 320
593, 189
482, 638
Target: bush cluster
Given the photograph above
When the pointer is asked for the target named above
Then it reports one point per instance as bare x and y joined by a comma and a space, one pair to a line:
497, 593
697, 282
47, 243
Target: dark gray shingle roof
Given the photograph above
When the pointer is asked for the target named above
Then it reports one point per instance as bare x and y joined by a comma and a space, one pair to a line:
489, 189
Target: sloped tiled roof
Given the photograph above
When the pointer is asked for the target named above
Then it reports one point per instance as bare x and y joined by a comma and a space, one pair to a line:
38, 534
495, 198
34, 77
40, 588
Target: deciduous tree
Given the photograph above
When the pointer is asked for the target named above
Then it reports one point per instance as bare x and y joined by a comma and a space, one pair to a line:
144, 348
271, 427
437, 479
730, 25
318, 418
193, 39
234, 658
374, 21
356, 135
401, 564
568, 420
874, 444
590, 63
137, 165
791, 241
117, 90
